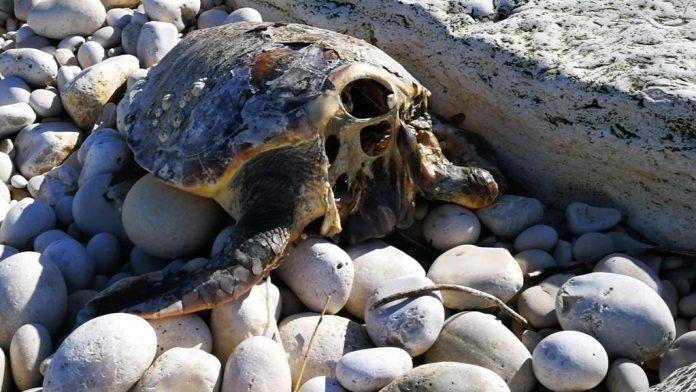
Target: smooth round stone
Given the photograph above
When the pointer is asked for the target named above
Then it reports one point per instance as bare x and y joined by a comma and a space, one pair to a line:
129, 38
583, 218
534, 260
7, 251
71, 42
563, 252
542, 237
104, 151
334, 337
19, 182
6, 168
257, 364
245, 14
682, 352
448, 376
570, 361
48, 237
167, 222
626, 376
622, 240
107, 36
511, 214
119, 17
188, 331
67, 73
24, 221
183, 370
76, 301
210, 18
105, 251
13, 89
592, 245
179, 13
93, 213
4, 196
73, 261
538, 307
618, 263
687, 306
32, 65
14, 117
490, 270
315, 270
376, 262
142, 263
322, 384
30, 345
41, 147
30, 292
90, 53
530, 339
449, 225
85, 96
254, 314
63, 210
109, 353
682, 326
156, 39
58, 19
628, 308
373, 368
412, 324
45, 103
481, 339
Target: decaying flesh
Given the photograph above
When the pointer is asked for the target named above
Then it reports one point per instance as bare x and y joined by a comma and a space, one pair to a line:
282, 125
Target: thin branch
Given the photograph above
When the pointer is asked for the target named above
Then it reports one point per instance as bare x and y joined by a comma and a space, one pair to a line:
298, 384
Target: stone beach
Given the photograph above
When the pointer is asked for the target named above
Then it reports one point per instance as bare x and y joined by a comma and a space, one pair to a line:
606, 307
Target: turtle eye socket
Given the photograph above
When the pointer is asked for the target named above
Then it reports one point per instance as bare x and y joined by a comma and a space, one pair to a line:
366, 98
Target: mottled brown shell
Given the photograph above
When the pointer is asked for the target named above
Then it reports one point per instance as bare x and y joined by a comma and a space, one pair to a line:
227, 93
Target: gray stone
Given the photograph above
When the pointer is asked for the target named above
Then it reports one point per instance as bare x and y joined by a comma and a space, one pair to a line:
681, 352
63, 209
7, 251
30, 345
90, 53
538, 306
76, 301
592, 245
179, 13
73, 261
245, 14
563, 252
119, 17
183, 370
45, 103
548, 59
55, 184
96, 209
107, 36
48, 237
257, 364
129, 38
449, 225
13, 89
583, 218
534, 261
65, 57
142, 262
58, 19
187, 331
373, 368
34, 66
104, 151
211, 18
155, 40
105, 250
511, 214
626, 376
41, 147
71, 42
542, 237
24, 221
14, 117
687, 306
448, 376
322, 384
618, 263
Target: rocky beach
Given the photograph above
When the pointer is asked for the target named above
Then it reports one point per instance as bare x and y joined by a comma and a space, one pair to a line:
580, 277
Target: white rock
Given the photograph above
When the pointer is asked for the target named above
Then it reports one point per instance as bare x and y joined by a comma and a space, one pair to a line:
373, 368
90, 53
30, 345
105, 251
6, 168
71, 42
167, 222
629, 308
93, 213
109, 353
41, 147
119, 17
107, 36
511, 214
335, 336
254, 314
104, 151
34, 66
48, 237
187, 331
682, 352
45, 103
15, 117
183, 370
376, 262
538, 306
13, 89
570, 361
24, 221
156, 39
58, 19
412, 324
322, 384
449, 225
481, 339
626, 376
491, 270
30, 292
542, 237
592, 245
180, 13
583, 218
316, 269
22, 7
563, 252
245, 14
449, 376
211, 18
129, 38
257, 364
534, 260
67, 73
618, 263
74, 262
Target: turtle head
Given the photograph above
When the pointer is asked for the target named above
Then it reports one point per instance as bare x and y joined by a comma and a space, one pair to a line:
382, 152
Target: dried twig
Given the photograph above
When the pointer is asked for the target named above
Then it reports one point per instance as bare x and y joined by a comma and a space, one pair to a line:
452, 287
309, 345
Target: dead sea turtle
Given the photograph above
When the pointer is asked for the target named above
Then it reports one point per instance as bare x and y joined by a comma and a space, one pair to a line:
281, 124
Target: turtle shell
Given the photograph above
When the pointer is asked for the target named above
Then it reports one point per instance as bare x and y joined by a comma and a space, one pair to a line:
227, 93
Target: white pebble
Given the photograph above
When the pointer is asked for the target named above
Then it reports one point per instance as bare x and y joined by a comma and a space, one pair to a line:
109, 353
41, 147
24, 221
129, 38
626, 376
490, 270
93, 213
542, 237
211, 18
322, 384
182, 370
373, 368
156, 39
448, 376
681, 353
7, 251
15, 117
316, 269
47, 238
563, 252
119, 17
179, 13
30, 292
618, 263
34, 66
534, 260
592, 245
13, 89
58, 19
258, 364
90, 53
511, 214
583, 218
71, 42
5, 372
30, 345
538, 307
188, 331
66, 74
45, 103
75, 264
570, 361
107, 36
105, 250
6, 168
449, 225
245, 14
